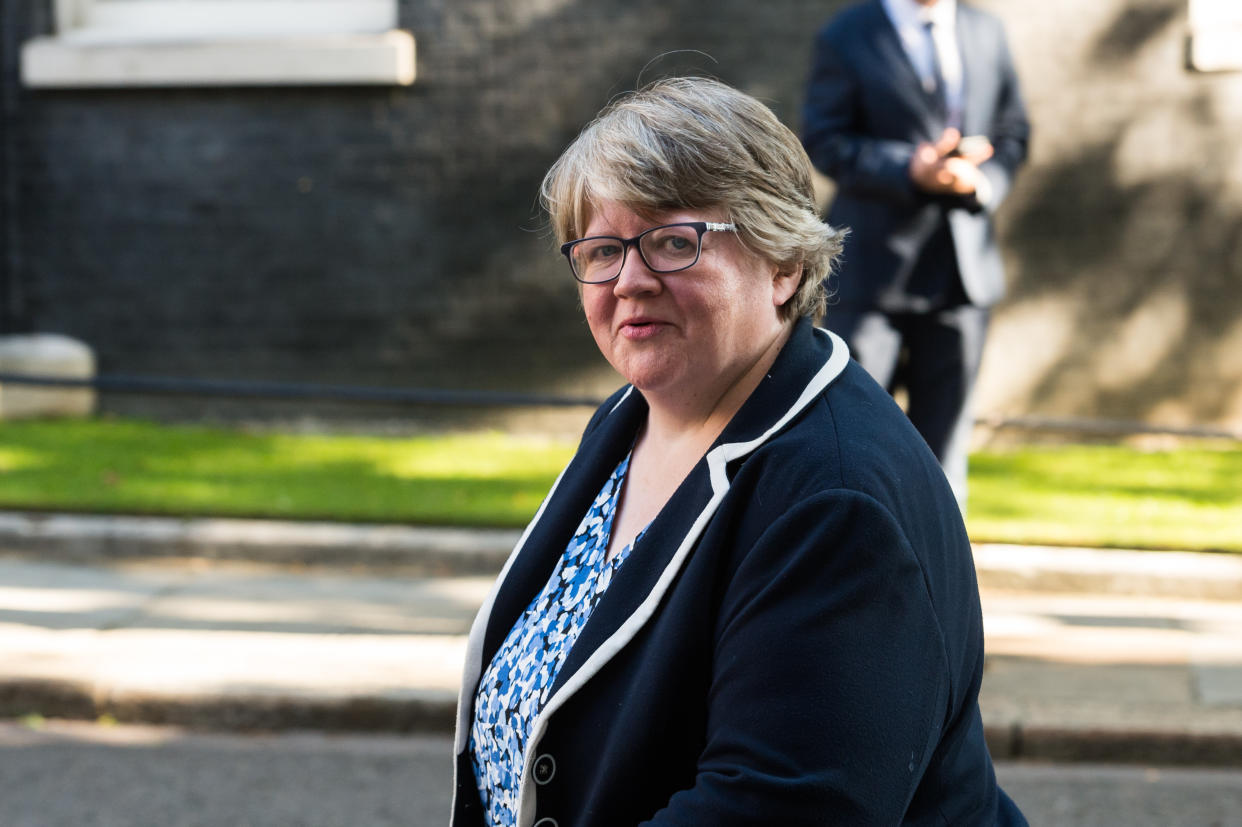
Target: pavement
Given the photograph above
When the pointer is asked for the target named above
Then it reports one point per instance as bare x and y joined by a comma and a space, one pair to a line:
1093, 655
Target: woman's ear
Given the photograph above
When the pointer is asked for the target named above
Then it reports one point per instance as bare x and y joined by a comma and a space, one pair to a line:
785, 284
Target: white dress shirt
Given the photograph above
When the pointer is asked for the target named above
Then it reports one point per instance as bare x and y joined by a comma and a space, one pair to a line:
910, 19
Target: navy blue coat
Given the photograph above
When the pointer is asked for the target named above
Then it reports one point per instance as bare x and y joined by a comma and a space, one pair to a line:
866, 111
796, 640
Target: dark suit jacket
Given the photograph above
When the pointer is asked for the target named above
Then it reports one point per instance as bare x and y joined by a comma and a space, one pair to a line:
796, 639
865, 113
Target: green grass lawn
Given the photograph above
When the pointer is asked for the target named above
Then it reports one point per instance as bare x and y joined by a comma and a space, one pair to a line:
1096, 495
1188, 497
137, 467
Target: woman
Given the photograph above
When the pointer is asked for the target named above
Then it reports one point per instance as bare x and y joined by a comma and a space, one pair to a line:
749, 598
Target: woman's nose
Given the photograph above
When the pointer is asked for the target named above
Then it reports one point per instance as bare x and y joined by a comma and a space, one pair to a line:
635, 277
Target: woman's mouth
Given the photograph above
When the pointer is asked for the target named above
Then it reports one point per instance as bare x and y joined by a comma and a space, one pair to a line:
639, 329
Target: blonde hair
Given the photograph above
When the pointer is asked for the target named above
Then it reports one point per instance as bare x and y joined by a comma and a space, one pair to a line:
696, 143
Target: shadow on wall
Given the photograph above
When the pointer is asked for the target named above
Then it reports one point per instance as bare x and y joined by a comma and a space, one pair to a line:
1126, 253
1131, 30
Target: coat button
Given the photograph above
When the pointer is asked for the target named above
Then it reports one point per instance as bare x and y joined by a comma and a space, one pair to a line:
545, 769
546, 822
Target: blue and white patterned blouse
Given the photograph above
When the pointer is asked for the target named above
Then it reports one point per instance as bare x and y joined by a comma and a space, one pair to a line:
516, 684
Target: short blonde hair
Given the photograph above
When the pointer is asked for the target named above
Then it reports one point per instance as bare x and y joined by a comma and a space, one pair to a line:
696, 143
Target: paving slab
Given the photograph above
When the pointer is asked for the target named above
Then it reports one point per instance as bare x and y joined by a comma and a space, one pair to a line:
1197, 575
229, 646
1112, 678
1219, 684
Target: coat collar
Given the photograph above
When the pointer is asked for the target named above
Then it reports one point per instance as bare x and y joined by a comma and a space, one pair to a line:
810, 360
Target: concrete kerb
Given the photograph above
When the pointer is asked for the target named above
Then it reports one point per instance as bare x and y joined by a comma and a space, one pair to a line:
405, 549
439, 550
1096, 745
436, 714
425, 712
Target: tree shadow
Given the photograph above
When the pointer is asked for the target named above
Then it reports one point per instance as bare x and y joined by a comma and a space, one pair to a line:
1133, 28
1138, 245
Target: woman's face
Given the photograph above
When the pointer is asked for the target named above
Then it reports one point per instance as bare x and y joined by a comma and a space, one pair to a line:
685, 338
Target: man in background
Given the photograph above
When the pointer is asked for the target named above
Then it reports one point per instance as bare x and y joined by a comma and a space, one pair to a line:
913, 109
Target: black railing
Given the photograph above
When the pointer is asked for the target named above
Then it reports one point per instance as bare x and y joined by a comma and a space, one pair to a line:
239, 389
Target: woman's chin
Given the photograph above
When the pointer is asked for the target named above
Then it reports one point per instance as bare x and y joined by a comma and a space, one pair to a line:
653, 381
649, 371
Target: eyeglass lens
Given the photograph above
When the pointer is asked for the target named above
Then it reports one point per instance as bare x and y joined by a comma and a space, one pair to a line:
664, 249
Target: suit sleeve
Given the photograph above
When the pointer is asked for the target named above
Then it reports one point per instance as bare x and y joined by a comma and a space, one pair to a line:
834, 139
1011, 130
829, 685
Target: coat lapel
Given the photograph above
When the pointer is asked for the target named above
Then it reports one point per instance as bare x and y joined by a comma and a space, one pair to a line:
546, 542
975, 74
640, 576
530, 564
672, 536
892, 58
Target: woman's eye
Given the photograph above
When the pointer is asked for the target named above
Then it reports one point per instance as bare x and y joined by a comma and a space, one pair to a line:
674, 244
604, 252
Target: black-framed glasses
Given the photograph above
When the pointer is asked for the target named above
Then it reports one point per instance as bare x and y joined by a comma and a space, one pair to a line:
664, 249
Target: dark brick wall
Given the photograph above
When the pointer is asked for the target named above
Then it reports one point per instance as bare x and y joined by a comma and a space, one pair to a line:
15, 26
360, 234
386, 235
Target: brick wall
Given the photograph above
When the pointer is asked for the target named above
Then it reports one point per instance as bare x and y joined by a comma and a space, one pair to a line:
391, 235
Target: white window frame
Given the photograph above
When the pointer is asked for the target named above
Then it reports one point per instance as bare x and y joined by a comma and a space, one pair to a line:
1216, 35
109, 43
